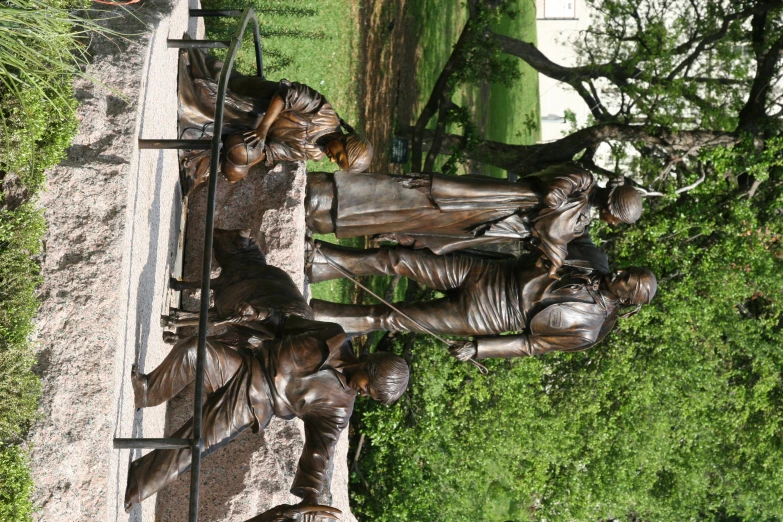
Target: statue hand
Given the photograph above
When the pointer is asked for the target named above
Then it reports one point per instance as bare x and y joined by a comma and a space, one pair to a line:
248, 313
463, 350
255, 138
297, 513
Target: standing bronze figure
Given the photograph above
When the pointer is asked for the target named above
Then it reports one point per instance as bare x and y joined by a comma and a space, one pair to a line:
487, 297
267, 121
449, 213
308, 370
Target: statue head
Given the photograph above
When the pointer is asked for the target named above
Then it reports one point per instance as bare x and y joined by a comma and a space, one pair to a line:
359, 153
633, 286
352, 152
384, 377
624, 203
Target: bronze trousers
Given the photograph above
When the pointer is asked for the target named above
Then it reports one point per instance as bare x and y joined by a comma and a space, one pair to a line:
230, 378
481, 294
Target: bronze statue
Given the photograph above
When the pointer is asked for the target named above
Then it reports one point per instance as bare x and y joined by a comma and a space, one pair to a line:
488, 297
248, 290
449, 213
307, 370
267, 121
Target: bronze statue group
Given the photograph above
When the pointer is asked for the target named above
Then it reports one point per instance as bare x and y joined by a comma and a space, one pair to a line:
278, 355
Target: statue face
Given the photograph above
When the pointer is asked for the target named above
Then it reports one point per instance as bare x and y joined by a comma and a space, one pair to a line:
612, 220
359, 381
622, 283
335, 151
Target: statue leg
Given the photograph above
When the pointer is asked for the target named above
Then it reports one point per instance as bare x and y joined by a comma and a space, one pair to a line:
438, 272
178, 370
227, 413
444, 316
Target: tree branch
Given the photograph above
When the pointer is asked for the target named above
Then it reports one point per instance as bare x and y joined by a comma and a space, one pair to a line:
439, 91
692, 185
754, 111
526, 159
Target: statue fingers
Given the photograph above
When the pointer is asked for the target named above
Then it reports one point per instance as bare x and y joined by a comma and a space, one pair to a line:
250, 137
315, 510
463, 350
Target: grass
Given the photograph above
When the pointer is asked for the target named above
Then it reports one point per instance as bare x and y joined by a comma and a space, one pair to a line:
514, 113
508, 114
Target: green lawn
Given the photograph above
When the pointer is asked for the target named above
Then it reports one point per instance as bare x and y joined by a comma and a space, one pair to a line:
511, 114
514, 114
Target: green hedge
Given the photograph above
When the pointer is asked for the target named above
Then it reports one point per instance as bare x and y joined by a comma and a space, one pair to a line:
37, 124
677, 416
15, 485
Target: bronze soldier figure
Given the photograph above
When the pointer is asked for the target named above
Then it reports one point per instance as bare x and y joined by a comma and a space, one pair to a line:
268, 121
488, 297
308, 370
449, 213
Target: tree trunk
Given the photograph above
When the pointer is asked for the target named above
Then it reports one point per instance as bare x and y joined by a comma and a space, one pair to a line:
526, 159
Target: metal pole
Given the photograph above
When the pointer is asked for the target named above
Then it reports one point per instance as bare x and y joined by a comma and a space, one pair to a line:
175, 144
206, 272
198, 44
151, 443
205, 13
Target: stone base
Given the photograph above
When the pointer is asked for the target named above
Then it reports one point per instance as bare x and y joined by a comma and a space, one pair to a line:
254, 472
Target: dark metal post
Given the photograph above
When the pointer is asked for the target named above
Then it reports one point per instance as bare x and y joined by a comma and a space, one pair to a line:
175, 144
198, 44
151, 443
197, 442
205, 13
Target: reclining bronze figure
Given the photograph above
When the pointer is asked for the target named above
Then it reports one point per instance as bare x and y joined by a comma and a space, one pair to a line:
248, 290
306, 370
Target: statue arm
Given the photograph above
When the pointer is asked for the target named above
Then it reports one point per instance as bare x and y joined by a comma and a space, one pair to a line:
291, 96
524, 345
276, 106
300, 98
322, 430
306, 344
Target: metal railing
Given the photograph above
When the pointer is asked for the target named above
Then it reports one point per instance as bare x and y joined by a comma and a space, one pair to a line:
196, 443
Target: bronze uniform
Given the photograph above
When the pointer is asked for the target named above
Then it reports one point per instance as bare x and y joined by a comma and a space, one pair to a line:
484, 298
449, 213
296, 375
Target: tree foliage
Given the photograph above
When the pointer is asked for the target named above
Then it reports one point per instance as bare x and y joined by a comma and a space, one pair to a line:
678, 415
664, 78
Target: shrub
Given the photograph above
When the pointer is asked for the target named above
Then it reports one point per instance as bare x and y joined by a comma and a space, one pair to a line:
678, 415
20, 240
15, 485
